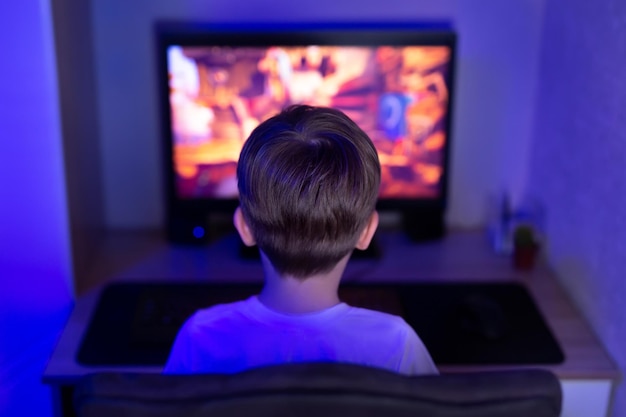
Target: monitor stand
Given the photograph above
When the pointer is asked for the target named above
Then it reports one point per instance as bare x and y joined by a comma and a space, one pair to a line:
373, 251
249, 252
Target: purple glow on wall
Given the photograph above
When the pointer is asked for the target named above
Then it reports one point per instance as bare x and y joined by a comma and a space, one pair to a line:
35, 268
578, 165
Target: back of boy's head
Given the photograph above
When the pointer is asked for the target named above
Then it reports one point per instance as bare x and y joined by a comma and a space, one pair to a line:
308, 183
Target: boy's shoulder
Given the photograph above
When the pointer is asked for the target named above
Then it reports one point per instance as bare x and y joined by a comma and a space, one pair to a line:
349, 318
220, 312
376, 318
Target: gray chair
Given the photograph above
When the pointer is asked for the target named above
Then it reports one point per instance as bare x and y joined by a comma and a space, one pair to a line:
320, 389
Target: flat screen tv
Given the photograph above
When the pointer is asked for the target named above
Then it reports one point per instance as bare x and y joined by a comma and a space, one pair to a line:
217, 82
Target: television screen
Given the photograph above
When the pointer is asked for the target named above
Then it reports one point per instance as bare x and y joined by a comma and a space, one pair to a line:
218, 83
397, 94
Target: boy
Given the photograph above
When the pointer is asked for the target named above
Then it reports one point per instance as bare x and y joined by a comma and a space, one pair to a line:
308, 182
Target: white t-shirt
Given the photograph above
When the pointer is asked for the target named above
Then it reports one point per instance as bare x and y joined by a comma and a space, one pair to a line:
229, 338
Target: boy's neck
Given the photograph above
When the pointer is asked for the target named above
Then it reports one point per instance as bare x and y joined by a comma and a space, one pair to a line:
286, 294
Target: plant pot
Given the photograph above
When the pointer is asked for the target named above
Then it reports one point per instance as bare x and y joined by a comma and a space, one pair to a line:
524, 257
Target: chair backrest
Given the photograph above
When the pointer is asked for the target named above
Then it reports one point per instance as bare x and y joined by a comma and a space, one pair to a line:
320, 389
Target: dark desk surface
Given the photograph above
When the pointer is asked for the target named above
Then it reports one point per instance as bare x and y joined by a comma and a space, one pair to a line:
460, 257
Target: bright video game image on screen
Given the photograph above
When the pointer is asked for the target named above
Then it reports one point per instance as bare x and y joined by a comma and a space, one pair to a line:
398, 95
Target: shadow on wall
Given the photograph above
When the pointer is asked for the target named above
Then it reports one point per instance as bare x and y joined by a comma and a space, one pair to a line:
575, 275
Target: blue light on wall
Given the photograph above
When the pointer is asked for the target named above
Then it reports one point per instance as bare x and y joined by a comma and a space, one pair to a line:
35, 260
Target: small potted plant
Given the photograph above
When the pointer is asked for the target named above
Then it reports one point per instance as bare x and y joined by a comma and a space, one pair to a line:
525, 247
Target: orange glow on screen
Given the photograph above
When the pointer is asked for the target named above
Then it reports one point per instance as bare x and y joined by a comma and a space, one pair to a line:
398, 95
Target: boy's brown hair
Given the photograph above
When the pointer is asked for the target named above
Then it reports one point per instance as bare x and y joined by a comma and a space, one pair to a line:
308, 183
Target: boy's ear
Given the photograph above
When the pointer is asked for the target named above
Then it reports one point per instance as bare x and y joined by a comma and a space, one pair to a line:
242, 228
368, 233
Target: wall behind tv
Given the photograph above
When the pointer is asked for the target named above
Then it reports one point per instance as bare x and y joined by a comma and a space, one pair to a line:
497, 72
578, 164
